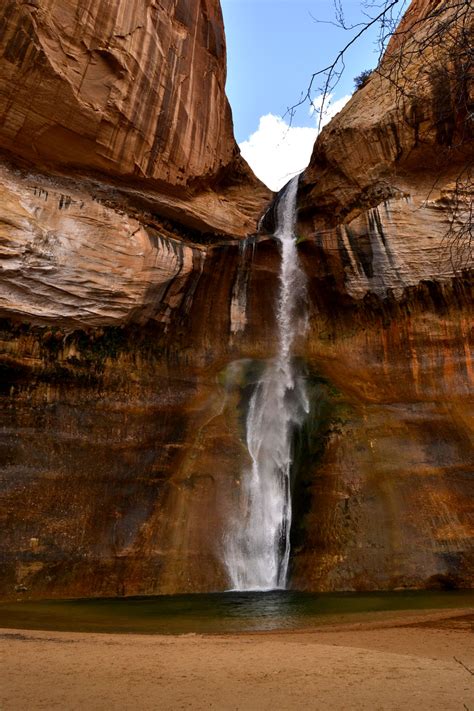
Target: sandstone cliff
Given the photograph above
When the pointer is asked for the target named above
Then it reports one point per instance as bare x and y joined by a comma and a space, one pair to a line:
133, 336
387, 203
119, 115
407, 132
131, 91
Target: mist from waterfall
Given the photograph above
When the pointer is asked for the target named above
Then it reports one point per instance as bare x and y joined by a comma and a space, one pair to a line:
257, 548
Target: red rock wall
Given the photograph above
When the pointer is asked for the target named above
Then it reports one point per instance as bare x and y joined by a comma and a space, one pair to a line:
407, 131
122, 447
386, 203
135, 88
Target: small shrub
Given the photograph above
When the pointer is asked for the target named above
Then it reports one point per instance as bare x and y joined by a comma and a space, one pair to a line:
361, 79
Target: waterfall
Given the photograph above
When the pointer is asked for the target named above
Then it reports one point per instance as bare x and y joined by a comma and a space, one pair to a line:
257, 548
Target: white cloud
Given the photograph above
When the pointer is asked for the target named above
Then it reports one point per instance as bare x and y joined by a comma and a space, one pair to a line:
331, 108
277, 151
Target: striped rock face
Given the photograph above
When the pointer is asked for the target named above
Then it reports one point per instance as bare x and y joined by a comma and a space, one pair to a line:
136, 88
129, 91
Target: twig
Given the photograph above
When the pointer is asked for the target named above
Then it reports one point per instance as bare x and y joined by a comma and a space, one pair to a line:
465, 667
330, 70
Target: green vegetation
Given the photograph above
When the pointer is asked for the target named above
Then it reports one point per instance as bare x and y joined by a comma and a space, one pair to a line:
329, 413
361, 79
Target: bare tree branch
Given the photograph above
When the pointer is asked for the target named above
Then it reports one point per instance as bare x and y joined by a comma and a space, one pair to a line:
331, 72
463, 665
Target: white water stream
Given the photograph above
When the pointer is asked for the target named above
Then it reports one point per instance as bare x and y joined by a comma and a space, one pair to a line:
257, 548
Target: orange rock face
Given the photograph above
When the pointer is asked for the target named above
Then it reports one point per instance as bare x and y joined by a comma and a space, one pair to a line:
406, 132
136, 89
387, 203
131, 91
106, 265
120, 113
134, 329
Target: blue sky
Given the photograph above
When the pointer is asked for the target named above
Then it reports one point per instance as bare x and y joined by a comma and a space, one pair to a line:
273, 47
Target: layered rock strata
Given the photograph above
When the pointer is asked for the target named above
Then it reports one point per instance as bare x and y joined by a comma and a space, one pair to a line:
123, 447
408, 131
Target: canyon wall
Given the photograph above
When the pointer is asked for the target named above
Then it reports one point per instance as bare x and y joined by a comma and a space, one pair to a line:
133, 89
137, 309
387, 201
125, 101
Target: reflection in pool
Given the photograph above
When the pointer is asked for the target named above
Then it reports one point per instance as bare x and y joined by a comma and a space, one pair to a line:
220, 612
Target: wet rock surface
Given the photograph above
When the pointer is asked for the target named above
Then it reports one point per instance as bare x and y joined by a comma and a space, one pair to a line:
123, 450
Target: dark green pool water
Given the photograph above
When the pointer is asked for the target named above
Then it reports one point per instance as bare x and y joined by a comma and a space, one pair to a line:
219, 612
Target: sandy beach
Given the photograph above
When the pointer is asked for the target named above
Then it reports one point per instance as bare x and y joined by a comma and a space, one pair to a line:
423, 662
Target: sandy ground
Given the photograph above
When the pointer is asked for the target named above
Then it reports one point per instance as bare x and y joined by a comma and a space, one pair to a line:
416, 663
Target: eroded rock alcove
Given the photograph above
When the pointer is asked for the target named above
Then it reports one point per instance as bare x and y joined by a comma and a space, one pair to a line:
137, 304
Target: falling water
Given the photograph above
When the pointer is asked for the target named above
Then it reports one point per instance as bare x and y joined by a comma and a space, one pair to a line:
258, 546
